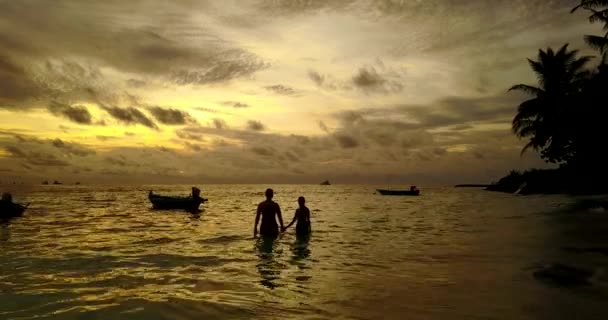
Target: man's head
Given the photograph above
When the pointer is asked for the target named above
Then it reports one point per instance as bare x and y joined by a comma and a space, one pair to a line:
269, 193
301, 201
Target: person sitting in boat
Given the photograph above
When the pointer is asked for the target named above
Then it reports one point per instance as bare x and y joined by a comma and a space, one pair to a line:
413, 188
268, 209
7, 198
196, 194
302, 215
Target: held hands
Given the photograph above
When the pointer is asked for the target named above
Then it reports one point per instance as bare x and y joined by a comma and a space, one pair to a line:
283, 229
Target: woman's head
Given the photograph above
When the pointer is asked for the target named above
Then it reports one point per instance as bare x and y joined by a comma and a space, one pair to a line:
301, 201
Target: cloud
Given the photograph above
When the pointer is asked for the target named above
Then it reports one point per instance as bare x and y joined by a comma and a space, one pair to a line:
116, 161
255, 125
241, 65
78, 114
281, 89
316, 77
71, 148
368, 80
186, 135
323, 126
170, 116
36, 158
219, 123
235, 104
130, 115
346, 141
266, 152
15, 84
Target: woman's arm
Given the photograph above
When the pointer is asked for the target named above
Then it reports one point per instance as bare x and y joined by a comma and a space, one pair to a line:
295, 216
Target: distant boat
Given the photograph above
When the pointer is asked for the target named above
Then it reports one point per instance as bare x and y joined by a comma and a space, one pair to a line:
386, 192
77, 183
57, 182
325, 183
190, 203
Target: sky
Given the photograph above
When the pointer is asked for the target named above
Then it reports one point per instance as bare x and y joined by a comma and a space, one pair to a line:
270, 91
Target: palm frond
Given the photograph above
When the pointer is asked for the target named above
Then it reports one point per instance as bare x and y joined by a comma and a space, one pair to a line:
527, 89
597, 42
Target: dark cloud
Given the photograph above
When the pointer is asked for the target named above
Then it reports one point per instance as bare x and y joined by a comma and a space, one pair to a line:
78, 114
235, 104
323, 81
267, 152
346, 141
255, 125
135, 83
219, 123
369, 80
72, 148
323, 126
187, 135
116, 161
15, 84
36, 158
316, 77
15, 151
106, 138
170, 116
281, 89
130, 115
242, 65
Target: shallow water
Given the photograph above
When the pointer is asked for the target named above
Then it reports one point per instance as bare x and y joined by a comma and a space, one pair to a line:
102, 253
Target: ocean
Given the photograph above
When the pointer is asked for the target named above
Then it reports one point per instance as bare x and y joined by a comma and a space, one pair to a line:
101, 252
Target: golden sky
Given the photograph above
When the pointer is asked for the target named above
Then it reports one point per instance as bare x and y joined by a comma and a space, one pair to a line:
402, 91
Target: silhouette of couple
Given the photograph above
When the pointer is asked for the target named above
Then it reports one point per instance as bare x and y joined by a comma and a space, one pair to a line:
269, 209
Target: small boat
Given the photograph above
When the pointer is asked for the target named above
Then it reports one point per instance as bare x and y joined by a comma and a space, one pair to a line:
411, 192
325, 183
9, 209
190, 203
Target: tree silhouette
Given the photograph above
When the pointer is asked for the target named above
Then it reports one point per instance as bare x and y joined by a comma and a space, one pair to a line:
544, 119
599, 13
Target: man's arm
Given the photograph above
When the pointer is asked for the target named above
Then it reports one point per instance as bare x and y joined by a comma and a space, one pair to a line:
280, 217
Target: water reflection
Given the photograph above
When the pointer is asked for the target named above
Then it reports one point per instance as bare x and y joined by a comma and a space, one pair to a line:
300, 248
268, 267
5, 232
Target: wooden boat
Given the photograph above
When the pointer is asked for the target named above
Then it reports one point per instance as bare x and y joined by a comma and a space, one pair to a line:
386, 192
190, 203
11, 210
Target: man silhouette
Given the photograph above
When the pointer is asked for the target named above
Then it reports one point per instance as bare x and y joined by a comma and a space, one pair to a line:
268, 209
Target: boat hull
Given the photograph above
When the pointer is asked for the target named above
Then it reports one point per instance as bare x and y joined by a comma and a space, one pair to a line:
11, 210
174, 203
386, 192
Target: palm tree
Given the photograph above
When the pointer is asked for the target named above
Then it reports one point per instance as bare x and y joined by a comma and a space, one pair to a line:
599, 13
545, 118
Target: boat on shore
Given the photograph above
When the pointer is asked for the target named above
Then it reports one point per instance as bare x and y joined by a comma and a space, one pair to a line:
188, 203
387, 192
